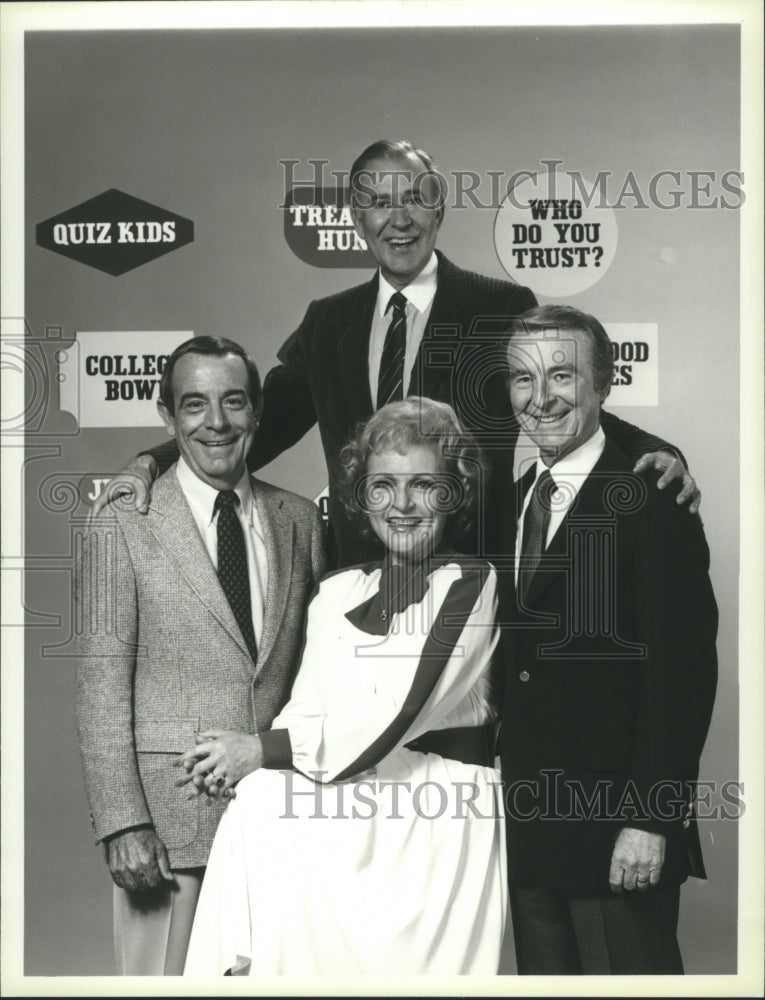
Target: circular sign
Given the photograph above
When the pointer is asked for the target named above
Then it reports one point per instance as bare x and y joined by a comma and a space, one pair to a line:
556, 243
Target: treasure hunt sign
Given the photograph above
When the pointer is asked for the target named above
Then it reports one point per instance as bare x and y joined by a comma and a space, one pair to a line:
318, 227
112, 379
114, 232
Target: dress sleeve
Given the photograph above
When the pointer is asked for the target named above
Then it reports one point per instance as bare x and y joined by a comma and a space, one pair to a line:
422, 676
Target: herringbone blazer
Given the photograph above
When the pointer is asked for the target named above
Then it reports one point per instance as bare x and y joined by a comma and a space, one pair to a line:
162, 656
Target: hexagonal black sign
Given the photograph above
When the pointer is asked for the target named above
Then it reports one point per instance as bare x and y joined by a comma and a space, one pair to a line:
114, 232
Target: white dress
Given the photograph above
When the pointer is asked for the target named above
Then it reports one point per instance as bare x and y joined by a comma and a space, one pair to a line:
368, 857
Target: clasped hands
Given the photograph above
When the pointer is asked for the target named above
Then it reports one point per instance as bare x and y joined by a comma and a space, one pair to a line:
220, 758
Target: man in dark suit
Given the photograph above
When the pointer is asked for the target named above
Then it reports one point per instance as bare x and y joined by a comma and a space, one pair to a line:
609, 626
422, 326
192, 623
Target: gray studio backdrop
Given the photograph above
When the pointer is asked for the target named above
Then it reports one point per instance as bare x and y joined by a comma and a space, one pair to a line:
197, 122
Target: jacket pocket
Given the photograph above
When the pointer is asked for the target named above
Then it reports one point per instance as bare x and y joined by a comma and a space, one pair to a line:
158, 742
174, 816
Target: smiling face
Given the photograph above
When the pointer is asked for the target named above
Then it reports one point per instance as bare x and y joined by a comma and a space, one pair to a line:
401, 493
214, 421
552, 390
398, 214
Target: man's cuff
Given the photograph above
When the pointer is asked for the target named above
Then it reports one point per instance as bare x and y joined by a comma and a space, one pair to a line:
277, 748
127, 829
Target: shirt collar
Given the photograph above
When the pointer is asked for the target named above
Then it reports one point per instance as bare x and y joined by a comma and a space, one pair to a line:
577, 464
202, 496
420, 291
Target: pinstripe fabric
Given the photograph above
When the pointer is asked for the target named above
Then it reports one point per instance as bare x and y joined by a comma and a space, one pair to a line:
163, 657
323, 377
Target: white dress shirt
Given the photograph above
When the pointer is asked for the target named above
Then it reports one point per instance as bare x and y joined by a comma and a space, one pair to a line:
419, 295
201, 499
568, 474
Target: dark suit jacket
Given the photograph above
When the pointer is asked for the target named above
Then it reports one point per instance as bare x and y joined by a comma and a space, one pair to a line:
324, 377
611, 675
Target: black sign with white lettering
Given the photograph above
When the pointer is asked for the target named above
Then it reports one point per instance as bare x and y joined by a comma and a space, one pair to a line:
115, 232
318, 227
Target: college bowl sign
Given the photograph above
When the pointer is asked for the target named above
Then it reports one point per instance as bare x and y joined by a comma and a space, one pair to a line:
114, 232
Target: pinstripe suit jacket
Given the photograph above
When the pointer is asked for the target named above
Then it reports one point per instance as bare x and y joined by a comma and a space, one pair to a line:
163, 657
324, 377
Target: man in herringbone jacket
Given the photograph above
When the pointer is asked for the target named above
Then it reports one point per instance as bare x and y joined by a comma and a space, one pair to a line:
164, 655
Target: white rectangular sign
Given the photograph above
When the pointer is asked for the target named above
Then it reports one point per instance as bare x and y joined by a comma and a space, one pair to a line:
112, 379
636, 364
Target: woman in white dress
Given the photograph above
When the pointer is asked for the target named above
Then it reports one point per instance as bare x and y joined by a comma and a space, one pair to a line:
365, 832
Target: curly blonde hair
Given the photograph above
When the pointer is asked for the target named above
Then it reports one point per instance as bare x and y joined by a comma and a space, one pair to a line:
417, 422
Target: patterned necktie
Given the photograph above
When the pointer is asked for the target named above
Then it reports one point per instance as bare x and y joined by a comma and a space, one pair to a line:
232, 566
535, 524
390, 385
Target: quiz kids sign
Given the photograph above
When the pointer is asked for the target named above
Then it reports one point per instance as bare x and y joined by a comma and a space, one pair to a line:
114, 232
112, 379
551, 240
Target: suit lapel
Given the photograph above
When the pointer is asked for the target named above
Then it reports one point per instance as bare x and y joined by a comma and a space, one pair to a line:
278, 535
173, 526
589, 503
443, 333
353, 350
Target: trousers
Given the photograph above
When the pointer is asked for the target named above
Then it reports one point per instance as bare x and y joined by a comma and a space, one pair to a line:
564, 933
152, 928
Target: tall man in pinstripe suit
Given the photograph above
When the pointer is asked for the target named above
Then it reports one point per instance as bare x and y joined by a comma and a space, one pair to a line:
333, 370
177, 643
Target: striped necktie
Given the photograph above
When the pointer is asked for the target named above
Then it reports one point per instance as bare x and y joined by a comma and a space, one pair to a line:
232, 566
390, 385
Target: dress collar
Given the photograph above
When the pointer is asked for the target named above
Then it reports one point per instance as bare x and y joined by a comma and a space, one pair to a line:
400, 587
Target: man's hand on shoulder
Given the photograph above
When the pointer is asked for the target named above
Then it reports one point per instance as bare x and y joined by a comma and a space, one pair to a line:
135, 481
672, 469
138, 859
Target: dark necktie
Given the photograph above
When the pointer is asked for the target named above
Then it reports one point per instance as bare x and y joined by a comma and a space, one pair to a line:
232, 566
535, 524
390, 385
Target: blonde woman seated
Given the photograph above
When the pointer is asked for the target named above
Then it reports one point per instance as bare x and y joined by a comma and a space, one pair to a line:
369, 836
